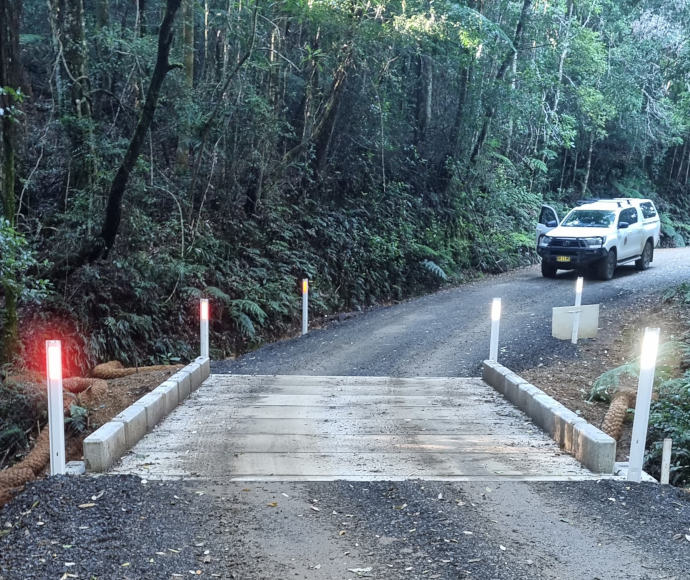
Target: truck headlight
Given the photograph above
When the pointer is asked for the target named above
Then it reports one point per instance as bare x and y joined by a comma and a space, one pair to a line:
594, 242
544, 241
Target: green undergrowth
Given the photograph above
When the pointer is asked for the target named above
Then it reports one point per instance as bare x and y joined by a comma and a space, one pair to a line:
670, 410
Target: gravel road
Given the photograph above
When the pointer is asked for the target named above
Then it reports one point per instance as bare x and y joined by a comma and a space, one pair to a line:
124, 527
447, 333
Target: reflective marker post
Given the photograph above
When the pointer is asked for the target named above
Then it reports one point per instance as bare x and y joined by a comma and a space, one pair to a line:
666, 461
650, 346
576, 311
203, 327
56, 413
305, 305
495, 324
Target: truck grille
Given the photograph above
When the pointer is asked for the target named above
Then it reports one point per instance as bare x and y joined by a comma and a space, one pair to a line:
567, 243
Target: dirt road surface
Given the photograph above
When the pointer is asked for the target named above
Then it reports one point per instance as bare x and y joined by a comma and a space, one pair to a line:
126, 527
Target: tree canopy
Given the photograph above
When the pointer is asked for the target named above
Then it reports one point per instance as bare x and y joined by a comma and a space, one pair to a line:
157, 151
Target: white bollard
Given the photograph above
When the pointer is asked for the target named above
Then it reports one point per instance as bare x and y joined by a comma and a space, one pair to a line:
56, 413
203, 327
576, 311
495, 326
650, 345
666, 461
305, 305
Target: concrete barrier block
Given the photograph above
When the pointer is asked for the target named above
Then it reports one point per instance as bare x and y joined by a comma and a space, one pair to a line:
540, 408
154, 403
194, 370
104, 446
511, 387
134, 420
564, 423
184, 384
525, 393
594, 449
492, 374
170, 395
205, 364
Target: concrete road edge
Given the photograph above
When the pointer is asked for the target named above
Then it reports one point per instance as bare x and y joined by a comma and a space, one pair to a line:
113, 439
590, 446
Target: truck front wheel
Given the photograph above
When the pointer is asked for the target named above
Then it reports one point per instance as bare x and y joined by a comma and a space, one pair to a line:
607, 265
547, 270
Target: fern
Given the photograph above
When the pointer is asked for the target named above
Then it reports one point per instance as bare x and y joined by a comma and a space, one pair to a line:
218, 294
435, 269
668, 359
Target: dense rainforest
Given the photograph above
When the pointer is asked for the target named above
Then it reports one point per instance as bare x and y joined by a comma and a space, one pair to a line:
154, 152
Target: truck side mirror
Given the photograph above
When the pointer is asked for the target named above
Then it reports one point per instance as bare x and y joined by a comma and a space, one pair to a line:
623, 225
552, 224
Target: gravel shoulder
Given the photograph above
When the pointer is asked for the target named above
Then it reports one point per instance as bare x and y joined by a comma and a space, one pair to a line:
121, 527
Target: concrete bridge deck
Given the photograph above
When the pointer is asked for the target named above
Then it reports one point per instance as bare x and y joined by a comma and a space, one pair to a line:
307, 428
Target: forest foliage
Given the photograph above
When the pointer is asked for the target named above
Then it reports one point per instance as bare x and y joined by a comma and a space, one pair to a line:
378, 148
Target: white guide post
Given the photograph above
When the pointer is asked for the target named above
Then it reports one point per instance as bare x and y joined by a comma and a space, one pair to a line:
203, 327
666, 461
576, 311
305, 305
650, 345
495, 325
56, 413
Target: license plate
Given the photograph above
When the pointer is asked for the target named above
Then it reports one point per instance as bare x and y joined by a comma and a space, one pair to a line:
562, 258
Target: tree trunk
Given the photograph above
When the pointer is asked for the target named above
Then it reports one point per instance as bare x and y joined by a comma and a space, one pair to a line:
423, 100
101, 246
588, 165
491, 109
68, 29
10, 11
102, 13
188, 41
188, 63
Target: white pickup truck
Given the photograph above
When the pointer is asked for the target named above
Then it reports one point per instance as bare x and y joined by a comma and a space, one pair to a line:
600, 235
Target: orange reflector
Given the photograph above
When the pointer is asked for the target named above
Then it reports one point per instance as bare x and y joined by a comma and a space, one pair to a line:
305, 286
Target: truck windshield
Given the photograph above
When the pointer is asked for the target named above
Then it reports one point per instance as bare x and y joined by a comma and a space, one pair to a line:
589, 218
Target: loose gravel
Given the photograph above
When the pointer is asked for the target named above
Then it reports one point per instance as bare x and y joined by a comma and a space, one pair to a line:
121, 527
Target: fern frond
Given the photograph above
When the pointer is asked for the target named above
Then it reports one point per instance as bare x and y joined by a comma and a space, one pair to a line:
435, 269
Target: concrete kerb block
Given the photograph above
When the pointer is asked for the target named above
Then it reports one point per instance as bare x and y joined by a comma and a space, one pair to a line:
194, 371
594, 449
493, 373
134, 420
184, 384
511, 387
525, 393
205, 364
170, 394
565, 422
154, 403
540, 408
105, 446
